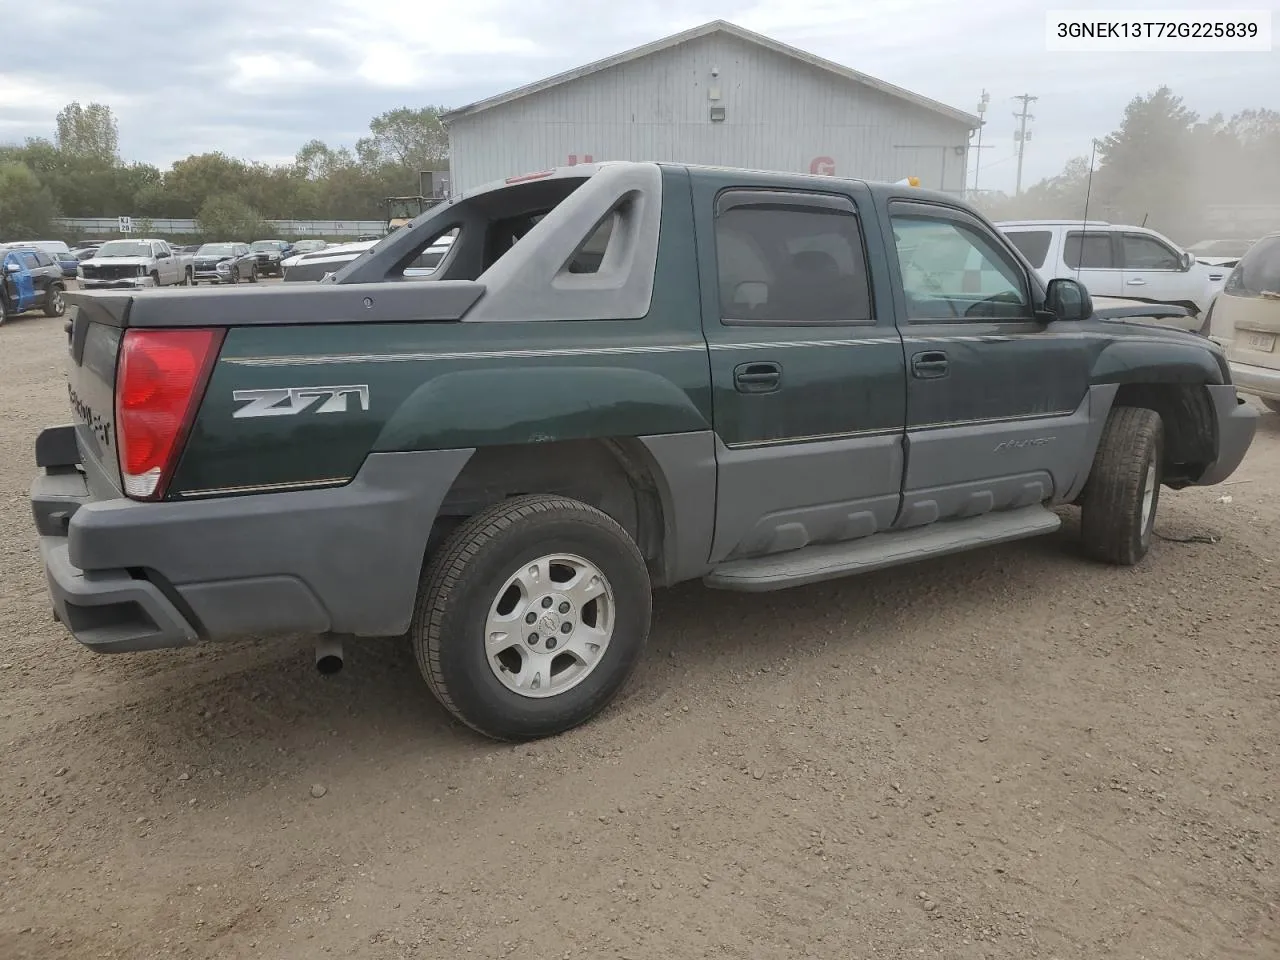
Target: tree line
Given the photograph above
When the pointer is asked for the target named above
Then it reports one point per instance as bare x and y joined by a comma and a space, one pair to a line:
79, 173
1163, 166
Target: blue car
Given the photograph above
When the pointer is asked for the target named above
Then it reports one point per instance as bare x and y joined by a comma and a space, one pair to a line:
28, 281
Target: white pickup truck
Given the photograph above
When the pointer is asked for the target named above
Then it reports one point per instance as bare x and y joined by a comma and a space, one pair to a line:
135, 263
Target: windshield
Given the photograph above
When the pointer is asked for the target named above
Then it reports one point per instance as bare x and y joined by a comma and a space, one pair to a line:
268, 245
215, 250
124, 248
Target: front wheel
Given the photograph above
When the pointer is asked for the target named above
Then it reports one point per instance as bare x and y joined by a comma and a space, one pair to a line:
253, 274
55, 304
235, 274
1119, 501
531, 617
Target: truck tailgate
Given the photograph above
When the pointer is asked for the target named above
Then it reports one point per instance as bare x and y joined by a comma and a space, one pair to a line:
93, 343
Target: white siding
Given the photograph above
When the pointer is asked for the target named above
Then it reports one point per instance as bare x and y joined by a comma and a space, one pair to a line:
780, 114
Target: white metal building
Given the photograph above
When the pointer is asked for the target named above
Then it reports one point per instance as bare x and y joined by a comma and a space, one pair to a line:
720, 95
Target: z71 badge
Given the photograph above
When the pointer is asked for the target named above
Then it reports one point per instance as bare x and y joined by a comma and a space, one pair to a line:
285, 401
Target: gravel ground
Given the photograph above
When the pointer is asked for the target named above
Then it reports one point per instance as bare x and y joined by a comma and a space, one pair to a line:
1011, 753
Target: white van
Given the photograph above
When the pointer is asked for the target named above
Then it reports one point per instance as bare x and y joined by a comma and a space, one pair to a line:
1115, 260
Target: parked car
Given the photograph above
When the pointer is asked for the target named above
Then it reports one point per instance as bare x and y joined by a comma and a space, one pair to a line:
682, 373
30, 279
1220, 253
1245, 319
1115, 260
85, 252
270, 255
307, 246
313, 266
56, 249
225, 263
136, 263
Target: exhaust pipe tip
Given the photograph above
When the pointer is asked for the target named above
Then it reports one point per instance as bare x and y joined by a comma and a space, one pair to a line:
329, 656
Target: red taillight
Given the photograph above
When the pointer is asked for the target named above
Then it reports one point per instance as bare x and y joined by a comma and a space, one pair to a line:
159, 381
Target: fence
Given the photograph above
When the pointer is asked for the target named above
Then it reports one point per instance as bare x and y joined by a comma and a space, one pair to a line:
169, 226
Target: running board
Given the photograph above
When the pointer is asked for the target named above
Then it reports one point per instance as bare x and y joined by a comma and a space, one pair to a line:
881, 550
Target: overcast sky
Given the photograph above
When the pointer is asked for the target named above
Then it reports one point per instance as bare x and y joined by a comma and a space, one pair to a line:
258, 79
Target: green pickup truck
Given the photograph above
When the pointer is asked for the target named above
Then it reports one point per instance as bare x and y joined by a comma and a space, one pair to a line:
620, 376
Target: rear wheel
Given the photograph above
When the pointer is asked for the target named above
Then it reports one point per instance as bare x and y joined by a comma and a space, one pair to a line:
55, 304
1119, 501
531, 617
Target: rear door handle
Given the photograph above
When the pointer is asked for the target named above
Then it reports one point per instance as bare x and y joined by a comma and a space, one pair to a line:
930, 365
758, 377
1137, 283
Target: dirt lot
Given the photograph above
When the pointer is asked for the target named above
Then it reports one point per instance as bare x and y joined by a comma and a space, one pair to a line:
1012, 753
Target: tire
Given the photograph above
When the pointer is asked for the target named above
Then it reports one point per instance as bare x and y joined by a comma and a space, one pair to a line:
155, 280
468, 578
187, 278
54, 303
4, 309
253, 274
1120, 499
1272, 405
235, 275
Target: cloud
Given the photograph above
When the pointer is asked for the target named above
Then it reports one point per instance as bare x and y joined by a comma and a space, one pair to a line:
259, 81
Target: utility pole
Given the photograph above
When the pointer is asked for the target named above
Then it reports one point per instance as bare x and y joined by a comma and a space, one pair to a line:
1022, 135
982, 122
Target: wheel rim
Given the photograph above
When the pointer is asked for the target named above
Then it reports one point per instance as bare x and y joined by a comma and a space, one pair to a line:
1148, 496
549, 626
57, 301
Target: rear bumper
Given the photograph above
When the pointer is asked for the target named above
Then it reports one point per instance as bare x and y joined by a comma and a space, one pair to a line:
1237, 422
1256, 381
127, 576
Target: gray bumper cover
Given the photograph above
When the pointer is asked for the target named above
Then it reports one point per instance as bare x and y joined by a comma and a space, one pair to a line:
127, 576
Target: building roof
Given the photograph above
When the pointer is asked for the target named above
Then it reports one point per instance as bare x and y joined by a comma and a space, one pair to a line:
697, 33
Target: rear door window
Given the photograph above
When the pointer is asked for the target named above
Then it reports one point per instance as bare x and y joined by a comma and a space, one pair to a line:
1032, 244
790, 259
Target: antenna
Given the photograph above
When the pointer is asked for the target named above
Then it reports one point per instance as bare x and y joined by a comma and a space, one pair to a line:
1144, 218
1084, 224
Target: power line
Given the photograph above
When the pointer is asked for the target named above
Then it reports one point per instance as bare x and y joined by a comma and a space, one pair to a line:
1022, 135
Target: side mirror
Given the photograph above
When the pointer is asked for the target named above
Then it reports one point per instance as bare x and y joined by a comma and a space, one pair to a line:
1186, 261
13, 268
1068, 299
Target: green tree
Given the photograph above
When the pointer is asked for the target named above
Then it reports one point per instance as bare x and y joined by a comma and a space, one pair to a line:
227, 217
408, 138
88, 132
26, 205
